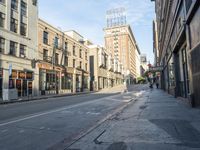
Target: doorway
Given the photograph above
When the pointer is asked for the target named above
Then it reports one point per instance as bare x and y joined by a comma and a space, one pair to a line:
24, 87
1, 89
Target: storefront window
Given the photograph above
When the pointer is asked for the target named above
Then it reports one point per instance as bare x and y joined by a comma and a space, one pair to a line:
67, 81
11, 83
12, 78
42, 79
50, 85
21, 80
171, 73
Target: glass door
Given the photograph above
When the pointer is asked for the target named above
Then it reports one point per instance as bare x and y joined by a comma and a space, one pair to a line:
24, 88
30, 88
19, 87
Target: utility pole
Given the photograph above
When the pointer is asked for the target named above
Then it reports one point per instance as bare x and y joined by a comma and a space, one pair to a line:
53, 65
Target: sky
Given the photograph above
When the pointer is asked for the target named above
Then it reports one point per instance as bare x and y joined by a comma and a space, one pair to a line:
88, 17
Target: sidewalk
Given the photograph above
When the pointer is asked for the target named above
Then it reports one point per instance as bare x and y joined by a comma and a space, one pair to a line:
154, 121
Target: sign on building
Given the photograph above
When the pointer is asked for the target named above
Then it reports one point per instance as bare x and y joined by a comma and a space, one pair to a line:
156, 69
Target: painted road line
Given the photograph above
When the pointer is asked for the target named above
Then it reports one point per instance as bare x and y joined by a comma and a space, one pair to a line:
50, 112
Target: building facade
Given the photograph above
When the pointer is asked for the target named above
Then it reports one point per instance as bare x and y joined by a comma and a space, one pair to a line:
121, 43
63, 64
155, 44
18, 47
178, 43
144, 65
103, 73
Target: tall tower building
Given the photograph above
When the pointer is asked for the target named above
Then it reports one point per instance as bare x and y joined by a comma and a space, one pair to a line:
121, 43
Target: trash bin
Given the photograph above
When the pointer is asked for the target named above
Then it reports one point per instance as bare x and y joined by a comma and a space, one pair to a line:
43, 92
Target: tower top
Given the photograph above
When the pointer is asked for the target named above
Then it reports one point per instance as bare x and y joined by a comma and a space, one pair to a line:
116, 17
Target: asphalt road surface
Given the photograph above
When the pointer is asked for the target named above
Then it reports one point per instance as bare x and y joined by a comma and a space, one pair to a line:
57, 122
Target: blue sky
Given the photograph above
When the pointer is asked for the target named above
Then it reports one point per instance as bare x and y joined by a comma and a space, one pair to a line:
88, 17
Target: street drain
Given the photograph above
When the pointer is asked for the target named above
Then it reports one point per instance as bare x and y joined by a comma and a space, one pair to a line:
143, 107
96, 141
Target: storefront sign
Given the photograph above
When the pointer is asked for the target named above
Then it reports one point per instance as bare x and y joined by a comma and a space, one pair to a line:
78, 72
159, 68
21, 75
70, 70
29, 75
58, 69
45, 66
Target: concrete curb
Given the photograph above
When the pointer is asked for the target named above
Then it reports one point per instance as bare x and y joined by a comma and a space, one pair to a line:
54, 96
43, 97
65, 145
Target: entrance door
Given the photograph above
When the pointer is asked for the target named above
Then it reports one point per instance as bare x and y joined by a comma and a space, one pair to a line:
78, 83
24, 88
1, 87
185, 73
30, 87
19, 87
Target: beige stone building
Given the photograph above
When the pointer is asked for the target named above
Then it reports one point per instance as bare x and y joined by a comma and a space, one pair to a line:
155, 44
102, 69
18, 47
121, 43
63, 63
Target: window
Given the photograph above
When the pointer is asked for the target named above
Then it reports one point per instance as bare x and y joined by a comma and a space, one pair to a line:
86, 56
67, 81
2, 1
2, 45
74, 63
45, 37
13, 25
74, 51
13, 48
56, 42
86, 67
23, 28
2, 19
45, 54
22, 51
80, 53
80, 65
34, 2
51, 80
23, 8
66, 46
14, 4
56, 58
66, 61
